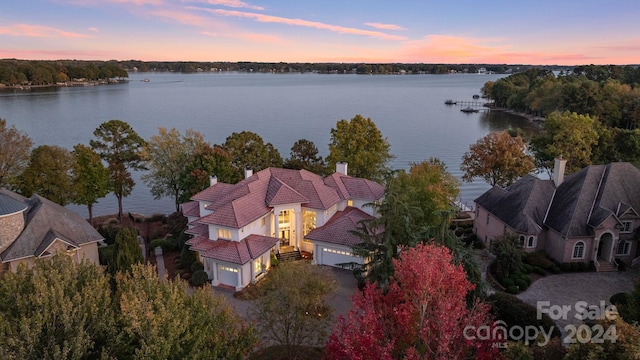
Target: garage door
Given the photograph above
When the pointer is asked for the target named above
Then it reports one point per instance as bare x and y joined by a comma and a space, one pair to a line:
332, 257
228, 275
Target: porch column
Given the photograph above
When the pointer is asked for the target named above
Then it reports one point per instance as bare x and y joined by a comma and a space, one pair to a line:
276, 218
239, 286
613, 246
297, 229
216, 280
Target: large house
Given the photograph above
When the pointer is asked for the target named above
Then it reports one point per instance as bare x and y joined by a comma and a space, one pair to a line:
592, 215
236, 227
34, 228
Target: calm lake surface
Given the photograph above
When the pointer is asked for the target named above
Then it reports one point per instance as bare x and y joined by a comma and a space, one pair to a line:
282, 108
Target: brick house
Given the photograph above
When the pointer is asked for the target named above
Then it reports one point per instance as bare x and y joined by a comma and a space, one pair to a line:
34, 228
592, 215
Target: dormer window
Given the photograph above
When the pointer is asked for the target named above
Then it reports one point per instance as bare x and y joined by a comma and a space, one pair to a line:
626, 227
224, 234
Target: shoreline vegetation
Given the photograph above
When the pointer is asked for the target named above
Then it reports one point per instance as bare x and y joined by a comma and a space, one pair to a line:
74, 83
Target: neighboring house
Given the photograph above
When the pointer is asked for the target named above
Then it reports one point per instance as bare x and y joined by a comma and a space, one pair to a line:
592, 215
236, 227
37, 228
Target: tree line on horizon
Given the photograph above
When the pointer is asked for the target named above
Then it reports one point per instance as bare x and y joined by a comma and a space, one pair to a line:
16, 72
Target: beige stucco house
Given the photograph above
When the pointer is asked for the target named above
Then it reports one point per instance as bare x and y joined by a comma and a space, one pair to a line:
592, 215
34, 228
236, 227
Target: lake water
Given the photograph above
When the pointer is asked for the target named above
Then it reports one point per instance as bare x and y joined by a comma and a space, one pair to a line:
282, 108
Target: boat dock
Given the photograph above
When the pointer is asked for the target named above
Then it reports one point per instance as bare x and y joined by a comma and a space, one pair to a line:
478, 105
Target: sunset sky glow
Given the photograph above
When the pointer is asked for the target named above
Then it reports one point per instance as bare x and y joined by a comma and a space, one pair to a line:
541, 32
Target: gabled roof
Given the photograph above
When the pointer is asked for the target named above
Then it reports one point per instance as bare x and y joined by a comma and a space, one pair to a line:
235, 206
338, 230
355, 188
582, 202
46, 221
522, 205
235, 252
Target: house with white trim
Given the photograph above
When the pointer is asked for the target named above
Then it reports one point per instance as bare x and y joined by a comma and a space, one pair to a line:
34, 228
592, 215
236, 227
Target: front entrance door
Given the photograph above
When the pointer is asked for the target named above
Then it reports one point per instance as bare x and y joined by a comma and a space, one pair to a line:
284, 227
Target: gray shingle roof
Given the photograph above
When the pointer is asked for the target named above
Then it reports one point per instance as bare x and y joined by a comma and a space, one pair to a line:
522, 205
44, 221
10, 203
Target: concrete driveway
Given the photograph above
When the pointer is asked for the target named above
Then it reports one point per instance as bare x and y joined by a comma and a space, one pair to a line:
340, 301
568, 290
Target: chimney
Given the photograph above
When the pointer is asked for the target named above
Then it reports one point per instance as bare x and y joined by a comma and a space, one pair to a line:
213, 180
558, 170
248, 172
341, 167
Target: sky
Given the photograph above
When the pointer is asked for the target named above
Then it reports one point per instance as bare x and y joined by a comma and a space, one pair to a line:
538, 32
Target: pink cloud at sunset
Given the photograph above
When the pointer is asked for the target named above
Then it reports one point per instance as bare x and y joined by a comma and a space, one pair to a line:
384, 26
227, 3
300, 22
29, 30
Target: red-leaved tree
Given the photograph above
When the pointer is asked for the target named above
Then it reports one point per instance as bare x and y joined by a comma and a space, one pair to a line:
422, 315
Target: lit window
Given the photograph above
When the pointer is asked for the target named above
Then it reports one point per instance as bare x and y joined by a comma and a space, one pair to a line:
308, 221
626, 227
578, 250
227, 268
349, 202
224, 234
623, 248
257, 265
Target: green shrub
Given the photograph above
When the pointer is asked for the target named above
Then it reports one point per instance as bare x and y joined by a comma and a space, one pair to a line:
196, 266
540, 271
187, 257
574, 266
619, 299
555, 269
565, 266
527, 268
106, 254
506, 282
538, 258
512, 289
274, 260
199, 278
157, 218
109, 233
582, 266
515, 312
521, 284
166, 244
185, 276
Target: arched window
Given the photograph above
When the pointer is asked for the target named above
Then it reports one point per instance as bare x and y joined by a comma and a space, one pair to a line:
521, 241
578, 250
531, 242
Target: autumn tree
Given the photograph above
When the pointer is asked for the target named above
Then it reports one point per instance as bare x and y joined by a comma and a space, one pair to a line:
89, 177
248, 149
304, 155
498, 158
62, 310
414, 202
201, 165
48, 174
168, 153
161, 320
119, 146
617, 341
421, 315
15, 149
360, 143
567, 135
57, 310
294, 313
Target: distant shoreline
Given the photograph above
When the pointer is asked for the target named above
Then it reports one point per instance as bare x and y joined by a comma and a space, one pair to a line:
64, 84
534, 119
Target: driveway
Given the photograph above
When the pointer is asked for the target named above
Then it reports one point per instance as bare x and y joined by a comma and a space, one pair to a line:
340, 301
569, 289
